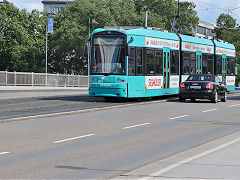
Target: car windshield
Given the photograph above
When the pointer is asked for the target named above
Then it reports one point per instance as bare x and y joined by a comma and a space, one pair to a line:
200, 78
108, 55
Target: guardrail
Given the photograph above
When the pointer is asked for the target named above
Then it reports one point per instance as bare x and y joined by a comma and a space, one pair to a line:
42, 79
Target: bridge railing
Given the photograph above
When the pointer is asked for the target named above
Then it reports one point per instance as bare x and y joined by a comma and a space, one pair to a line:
42, 79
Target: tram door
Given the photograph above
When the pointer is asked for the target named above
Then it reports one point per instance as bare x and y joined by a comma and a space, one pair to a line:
166, 70
199, 62
224, 68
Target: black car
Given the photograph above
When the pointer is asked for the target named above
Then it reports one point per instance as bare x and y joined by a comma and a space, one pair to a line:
203, 86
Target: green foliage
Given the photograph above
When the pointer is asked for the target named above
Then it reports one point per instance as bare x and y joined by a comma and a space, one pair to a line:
162, 13
21, 39
226, 30
22, 34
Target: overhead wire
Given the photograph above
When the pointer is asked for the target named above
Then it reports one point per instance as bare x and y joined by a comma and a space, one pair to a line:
224, 9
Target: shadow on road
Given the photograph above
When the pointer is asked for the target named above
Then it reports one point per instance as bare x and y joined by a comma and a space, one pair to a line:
234, 97
83, 98
88, 169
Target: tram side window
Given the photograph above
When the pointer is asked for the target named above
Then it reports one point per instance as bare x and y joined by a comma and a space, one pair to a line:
219, 64
205, 64
189, 63
131, 62
210, 64
174, 62
230, 65
192, 63
139, 63
150, 62
159, 62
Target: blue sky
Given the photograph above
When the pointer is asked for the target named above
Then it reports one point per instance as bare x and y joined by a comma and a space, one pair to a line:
208, 10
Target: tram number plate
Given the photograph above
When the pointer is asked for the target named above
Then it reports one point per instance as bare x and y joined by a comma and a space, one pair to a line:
195, 87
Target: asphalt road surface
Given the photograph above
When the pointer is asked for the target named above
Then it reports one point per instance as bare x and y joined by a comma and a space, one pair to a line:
87, 138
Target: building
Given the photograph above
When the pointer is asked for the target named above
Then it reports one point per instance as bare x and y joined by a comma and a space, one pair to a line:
204, 30
4, 2
54, 5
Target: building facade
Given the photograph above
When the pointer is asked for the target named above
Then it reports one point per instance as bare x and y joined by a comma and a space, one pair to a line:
54, 5
204, 30
4, 2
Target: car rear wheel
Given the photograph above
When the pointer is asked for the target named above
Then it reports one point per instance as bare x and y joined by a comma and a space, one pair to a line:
193, 100
224, 99
181, 99
215, 97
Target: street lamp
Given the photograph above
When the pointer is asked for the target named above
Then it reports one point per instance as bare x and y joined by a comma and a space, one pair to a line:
89, 36
51, 13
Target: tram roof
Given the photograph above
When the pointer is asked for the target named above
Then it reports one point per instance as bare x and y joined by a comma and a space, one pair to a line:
196, 40
143, 32
224, 45
153, 33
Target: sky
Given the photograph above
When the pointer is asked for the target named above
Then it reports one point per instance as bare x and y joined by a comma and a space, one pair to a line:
208, 10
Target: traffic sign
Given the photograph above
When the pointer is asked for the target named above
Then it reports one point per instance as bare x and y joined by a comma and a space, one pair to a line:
50, 25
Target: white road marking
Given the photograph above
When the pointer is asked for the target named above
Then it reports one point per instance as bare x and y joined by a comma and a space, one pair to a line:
179, 117
74, 138
209, 110
144, 124
234, 105
2, 153
173, 166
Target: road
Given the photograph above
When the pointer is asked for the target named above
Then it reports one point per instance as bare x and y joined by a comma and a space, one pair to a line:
102, 140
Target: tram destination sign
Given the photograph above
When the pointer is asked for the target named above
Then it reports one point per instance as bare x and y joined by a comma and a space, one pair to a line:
161, 43
228, 52
186, 46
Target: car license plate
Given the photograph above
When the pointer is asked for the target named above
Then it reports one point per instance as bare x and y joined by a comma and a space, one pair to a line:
195, 87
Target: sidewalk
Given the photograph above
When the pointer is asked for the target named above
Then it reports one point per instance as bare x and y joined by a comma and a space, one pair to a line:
14, 92
217, 159
38, 88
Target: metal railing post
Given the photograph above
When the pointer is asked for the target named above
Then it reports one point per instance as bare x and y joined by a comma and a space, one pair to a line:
58, 80
46, 79
32, 79
68, 80
15, 78
6, 78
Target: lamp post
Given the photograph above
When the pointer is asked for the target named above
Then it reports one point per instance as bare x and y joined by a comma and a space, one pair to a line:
47, 30
89, 36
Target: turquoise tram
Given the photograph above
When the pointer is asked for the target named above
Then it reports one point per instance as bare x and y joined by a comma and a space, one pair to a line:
142, 62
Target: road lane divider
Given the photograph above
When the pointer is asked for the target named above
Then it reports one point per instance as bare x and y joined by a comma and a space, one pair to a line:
137, 125
234, 105
209, 110
2, 153
179, 117
74, 138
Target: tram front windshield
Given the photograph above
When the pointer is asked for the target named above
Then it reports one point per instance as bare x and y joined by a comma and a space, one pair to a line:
108, 56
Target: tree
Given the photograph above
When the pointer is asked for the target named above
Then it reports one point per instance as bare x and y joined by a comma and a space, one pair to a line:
71, 30
164, 12
226, 30
22, 34
21, 39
